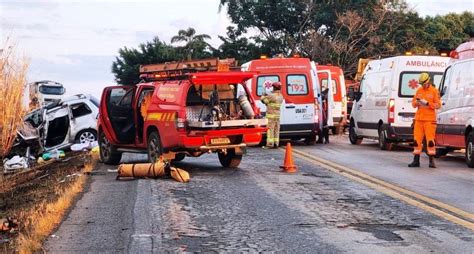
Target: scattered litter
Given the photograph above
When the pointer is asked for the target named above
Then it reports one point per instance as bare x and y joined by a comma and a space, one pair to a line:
8, 225
54, 236
40, 160
112, 170
84, 146
16, 162
95, 153
54, 154
69, 176
152, 170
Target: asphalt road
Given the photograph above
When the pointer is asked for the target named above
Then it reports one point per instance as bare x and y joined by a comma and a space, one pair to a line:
452, 182
256, 208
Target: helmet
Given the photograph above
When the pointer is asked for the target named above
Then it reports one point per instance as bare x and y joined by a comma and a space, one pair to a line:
276, 85
424, 78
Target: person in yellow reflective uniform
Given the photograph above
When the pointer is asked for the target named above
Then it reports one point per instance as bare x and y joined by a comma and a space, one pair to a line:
273, 102
426, 100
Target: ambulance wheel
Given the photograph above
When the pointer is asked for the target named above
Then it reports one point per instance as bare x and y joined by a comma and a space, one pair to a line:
470, 150
355, 140
230, 159
154, 147
310, 140
179, 157
384, 144
108, 153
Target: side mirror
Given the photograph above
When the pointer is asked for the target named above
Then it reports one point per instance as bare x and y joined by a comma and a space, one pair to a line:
357, 96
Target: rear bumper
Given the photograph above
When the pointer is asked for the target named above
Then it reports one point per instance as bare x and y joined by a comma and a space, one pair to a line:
201, 139
299, 130
399, 134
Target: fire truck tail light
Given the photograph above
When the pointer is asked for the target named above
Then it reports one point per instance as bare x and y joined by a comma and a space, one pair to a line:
391, 111
180, 123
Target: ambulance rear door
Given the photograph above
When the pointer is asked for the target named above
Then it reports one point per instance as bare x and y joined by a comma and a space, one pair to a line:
298, 107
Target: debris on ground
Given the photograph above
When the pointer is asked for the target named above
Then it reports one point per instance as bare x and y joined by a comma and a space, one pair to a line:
152, 170
8, 225
85, 146
54, 154
26, 190
16, 162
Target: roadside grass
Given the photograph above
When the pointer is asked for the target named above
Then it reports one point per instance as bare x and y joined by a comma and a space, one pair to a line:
45, 217
13, 71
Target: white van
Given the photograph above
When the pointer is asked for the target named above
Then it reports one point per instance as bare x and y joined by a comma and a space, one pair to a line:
456, 116
301, 110
382, 109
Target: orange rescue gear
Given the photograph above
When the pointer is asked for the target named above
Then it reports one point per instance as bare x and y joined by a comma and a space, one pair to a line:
427, 100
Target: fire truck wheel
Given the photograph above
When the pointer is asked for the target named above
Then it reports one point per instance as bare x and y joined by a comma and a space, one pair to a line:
230, 159
154, 147
108, 152
179, 157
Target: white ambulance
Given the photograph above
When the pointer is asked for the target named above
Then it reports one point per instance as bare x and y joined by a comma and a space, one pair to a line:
456, 116
301, 110
382, 109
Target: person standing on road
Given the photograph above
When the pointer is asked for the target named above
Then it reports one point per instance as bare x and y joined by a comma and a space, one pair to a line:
325, 116
273, 103
426, 100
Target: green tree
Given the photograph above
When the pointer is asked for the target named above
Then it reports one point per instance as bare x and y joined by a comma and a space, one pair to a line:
195, 44
448, 31
126, 66
337, 32
238, 47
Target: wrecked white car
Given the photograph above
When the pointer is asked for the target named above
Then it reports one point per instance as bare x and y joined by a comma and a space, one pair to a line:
62, 123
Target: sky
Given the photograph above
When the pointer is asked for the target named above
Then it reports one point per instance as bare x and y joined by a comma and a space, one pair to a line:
75, 42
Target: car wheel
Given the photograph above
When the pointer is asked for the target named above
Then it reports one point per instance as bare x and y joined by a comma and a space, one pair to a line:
179, 157
383, 142
86, 136
154, 147
353, 138
470, 150
230, 159
108, 152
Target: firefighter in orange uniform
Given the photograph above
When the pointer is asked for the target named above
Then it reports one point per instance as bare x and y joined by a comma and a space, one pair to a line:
427, 100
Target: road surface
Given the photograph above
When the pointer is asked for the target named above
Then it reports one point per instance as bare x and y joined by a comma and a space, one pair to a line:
257, 208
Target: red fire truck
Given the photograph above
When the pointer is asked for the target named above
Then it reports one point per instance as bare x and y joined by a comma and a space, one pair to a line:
181, 109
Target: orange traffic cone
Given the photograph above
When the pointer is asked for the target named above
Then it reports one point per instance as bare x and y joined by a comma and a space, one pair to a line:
288, 165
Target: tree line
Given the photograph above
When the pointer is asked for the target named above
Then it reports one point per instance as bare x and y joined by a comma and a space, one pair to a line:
337, 32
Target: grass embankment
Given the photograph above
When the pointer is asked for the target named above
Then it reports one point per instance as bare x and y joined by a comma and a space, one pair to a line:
42, 219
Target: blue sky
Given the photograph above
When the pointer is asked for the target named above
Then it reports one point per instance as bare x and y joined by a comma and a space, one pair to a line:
74, 42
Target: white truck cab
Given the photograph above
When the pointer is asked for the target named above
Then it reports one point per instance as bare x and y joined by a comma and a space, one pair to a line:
382, 109
45, 91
